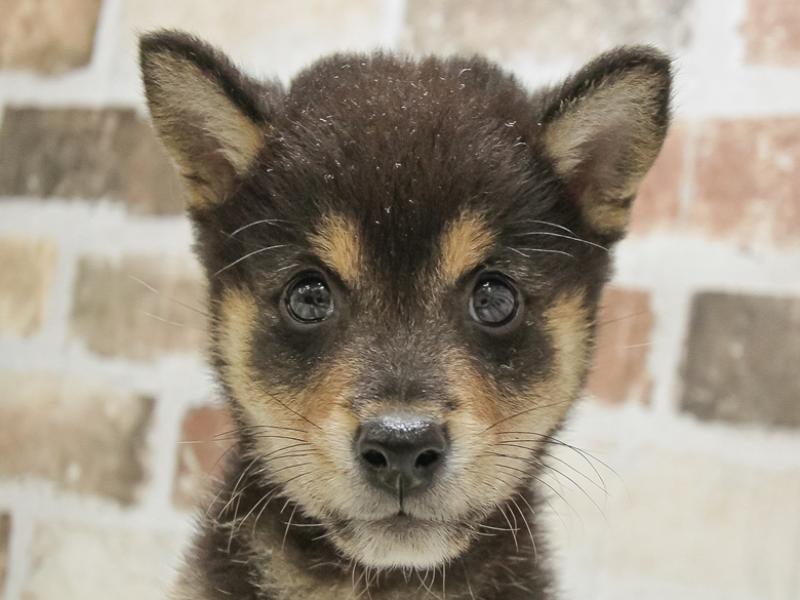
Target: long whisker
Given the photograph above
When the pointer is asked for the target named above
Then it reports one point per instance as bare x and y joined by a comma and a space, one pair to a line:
520, 413
254, 223
541, 250
566, 237
246, 256
175, 300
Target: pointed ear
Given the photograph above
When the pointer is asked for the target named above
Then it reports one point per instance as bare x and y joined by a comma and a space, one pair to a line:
211, 118
604, 127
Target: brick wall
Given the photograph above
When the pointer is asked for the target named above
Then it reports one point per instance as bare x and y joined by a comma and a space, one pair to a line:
694, 405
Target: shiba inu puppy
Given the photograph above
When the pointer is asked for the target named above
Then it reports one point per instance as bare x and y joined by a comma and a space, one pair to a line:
404, 261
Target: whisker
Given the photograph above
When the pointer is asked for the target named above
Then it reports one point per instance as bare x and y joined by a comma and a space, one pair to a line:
259, 222
175, 300
286, 532
542, 250
520, 413
246, 256
566, 237
527, 525
550, 223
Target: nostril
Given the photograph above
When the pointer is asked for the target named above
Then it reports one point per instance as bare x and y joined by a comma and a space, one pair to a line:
426, 459
375, 459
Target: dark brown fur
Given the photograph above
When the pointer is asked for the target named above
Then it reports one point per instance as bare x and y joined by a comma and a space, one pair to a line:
398, 180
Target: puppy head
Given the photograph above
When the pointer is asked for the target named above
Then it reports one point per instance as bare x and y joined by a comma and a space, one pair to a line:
405, 260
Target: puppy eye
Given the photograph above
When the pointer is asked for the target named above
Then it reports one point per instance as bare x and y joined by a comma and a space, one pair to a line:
309, 300
494, 302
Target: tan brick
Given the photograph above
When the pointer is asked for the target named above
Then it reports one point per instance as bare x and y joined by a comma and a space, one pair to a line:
658, 203
86, 154
747, 177
5, 539
207, 433
48, 37
771, 32
26, 274
74, 562
542, 30
625, 325
115, 313
742, 357
267, 37
84, 437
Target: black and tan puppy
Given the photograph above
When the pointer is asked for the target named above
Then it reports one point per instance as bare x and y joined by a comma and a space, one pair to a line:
405, 259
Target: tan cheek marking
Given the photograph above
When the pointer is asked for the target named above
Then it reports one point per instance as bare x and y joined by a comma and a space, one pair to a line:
337, 244
567, 321
464, 244
238, 319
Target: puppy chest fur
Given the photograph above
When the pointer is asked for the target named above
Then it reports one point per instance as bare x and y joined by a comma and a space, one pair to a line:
404, 259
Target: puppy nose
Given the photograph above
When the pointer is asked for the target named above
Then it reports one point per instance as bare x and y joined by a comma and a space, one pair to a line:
401, 454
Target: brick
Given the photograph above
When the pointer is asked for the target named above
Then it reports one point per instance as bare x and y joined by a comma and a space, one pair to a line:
5, 539
679, 524
267, 37
747, 177
26, 275
86, 154
73, 562
206, 434
741, 359
771, 32
95, 434
625, 325
509, 30
47, 37
657, 206
115, 313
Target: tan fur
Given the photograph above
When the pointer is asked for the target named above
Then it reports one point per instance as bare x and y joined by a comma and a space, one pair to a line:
337, 243
181, 93
464, 244
625, 103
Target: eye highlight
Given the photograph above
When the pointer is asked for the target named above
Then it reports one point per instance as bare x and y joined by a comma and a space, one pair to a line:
494, 301
309, 299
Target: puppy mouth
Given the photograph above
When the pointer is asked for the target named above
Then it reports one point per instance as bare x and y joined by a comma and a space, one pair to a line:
403, 521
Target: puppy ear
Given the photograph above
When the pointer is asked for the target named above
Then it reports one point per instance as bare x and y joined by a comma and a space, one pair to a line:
211, 118
604, 127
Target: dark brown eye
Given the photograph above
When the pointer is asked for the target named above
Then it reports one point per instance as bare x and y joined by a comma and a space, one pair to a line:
494, 302
309, 300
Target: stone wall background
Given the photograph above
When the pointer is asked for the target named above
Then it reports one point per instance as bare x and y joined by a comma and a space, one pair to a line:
694, 407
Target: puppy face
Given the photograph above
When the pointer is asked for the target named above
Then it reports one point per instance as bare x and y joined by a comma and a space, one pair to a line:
405, 260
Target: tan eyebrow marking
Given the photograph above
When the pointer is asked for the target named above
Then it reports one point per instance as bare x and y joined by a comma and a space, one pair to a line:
337, 243
464, 245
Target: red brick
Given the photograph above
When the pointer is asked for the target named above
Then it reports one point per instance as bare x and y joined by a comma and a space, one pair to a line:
771, 32
625, 326
5, 538
747, 177
84, 437
658, 203
48, 37
207, 433
116, 314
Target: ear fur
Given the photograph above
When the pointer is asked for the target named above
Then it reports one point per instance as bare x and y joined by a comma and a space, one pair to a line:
603, 129
211, 118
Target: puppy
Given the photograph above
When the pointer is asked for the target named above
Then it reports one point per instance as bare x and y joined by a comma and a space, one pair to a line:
404, 261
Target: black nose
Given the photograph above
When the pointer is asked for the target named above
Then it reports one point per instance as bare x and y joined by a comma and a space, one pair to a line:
401, 454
